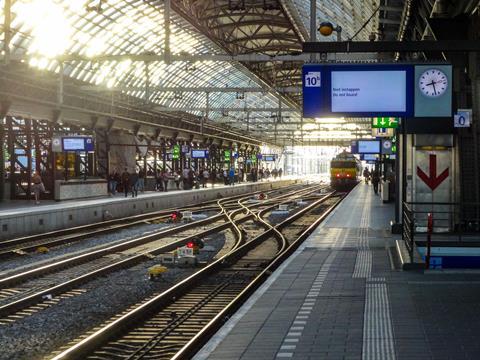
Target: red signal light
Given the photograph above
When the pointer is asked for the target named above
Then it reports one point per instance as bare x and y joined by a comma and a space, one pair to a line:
190, 244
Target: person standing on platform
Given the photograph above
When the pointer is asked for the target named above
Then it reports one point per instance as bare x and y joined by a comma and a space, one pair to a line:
177, 178
231, 176
165, 178
112, 182
275, 173
225, 176
126, 181
366, 175
134, 184
206, 176
185, 178
190, 179
141, 181
37, 186
280, 171
158, 181
213, 177
375, 181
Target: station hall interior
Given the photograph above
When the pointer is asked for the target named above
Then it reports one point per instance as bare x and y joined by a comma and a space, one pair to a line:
239, 179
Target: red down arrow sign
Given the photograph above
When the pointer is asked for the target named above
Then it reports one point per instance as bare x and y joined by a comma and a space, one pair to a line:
432, 181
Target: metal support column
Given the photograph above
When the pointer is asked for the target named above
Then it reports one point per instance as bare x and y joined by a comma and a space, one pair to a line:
4, 107
7, 31
166, 18
313, 25
147, 83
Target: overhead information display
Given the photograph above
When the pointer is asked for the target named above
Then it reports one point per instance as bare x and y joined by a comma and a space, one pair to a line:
368, 146
80, 143
369, 91
377, 90
199, 154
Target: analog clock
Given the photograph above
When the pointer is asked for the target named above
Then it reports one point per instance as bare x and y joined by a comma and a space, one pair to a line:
433, 83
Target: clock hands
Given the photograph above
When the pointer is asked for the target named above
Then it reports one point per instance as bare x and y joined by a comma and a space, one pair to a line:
433, 84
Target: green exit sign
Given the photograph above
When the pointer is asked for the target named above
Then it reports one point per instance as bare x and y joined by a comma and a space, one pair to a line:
226, 155
385, 122
176, 152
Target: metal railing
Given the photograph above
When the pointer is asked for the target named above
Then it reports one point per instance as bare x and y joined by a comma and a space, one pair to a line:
456, 222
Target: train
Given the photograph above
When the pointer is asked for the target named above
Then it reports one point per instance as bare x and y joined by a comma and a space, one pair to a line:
345, 171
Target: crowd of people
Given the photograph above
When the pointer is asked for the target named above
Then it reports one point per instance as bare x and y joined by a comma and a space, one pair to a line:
133, 182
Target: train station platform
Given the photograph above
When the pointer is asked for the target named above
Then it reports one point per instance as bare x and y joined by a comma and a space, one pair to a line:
21, 218
340, 296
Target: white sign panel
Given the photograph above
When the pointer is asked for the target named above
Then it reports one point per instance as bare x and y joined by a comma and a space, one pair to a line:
369, 91
462, 118
73, 144
382, 132
184, 251
313, 79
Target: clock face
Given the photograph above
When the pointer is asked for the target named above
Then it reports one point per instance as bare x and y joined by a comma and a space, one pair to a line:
433, 83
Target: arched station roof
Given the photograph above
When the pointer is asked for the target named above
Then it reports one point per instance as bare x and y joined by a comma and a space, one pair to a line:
99, 39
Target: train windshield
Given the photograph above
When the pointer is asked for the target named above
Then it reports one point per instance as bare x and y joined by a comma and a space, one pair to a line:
343, 164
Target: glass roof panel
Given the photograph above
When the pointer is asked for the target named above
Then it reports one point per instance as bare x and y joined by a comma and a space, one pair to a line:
45, 29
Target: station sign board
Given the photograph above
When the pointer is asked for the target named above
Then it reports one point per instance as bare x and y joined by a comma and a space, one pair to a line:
377, 90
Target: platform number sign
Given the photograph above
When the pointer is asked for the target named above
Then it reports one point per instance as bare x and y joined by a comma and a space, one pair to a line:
313, 79
462, 118
176, 152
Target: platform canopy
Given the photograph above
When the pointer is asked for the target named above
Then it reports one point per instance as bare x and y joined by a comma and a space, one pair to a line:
245, 54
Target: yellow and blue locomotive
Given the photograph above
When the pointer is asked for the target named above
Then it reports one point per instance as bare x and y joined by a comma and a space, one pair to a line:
345, 170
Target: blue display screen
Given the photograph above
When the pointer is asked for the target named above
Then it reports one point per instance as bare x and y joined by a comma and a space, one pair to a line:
78, 143
358, 90
199, 154
368, 146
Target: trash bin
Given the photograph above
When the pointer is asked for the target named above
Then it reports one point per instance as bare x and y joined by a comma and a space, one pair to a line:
385, 191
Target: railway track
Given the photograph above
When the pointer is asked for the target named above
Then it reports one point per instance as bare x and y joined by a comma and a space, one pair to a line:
24, 293
28, 244
176, 323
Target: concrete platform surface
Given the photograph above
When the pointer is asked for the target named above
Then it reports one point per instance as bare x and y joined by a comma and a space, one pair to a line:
339, 297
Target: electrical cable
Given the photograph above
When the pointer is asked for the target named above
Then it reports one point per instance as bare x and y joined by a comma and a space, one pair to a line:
366, 23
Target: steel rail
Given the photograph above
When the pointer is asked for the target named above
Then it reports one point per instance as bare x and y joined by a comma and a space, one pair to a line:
115, 328
198, 340
18, 278
29, 300
115, 224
